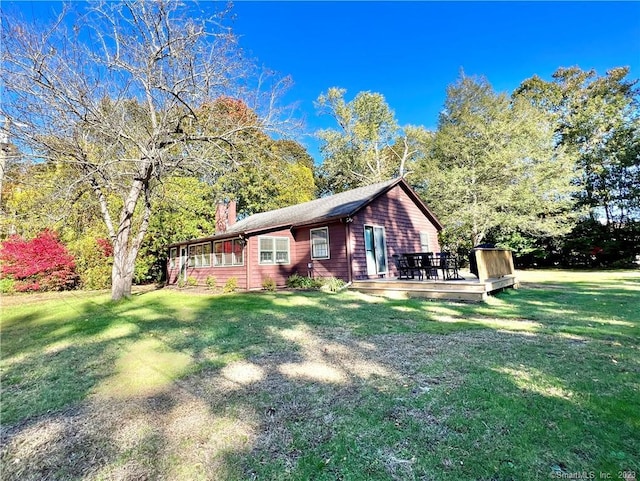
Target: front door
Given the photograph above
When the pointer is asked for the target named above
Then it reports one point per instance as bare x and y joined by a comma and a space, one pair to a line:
375, 246
183, 263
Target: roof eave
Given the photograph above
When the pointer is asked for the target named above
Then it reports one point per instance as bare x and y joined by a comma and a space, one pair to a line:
314, 221
254, 232
223, 235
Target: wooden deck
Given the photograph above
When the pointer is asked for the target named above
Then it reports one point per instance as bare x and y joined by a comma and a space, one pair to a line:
470, 289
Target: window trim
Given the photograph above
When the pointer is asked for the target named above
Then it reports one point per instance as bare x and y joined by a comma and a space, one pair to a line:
202, 255
328, 244
425, 235
234, 263
173, 255
274, 251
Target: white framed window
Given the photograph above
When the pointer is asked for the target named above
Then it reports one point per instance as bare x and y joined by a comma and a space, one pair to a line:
320, 243
200, 255
228, 252
173, 254
273, 250
424, 242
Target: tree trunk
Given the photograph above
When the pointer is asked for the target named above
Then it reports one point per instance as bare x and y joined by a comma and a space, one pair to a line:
476, 238
120, 285
127, 242
121, 273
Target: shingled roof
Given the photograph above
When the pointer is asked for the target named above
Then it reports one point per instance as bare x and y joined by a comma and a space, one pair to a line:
334, 207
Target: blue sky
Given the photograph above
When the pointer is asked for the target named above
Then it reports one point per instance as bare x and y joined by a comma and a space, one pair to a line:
411, 51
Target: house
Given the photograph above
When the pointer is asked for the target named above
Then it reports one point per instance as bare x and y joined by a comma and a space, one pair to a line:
352, 236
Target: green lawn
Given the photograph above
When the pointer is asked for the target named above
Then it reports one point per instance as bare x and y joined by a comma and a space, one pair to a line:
537, 383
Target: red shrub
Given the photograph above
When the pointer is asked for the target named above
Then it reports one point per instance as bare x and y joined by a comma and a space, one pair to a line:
106, 246
26, 286
42, 263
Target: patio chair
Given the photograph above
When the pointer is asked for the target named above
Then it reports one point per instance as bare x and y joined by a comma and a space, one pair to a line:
401, 266
415, 265
449, 266
428, 265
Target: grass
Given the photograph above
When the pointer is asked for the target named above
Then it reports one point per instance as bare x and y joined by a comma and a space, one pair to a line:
538, 383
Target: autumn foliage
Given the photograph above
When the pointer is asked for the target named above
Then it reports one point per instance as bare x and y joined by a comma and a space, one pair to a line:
39, 264
105, 246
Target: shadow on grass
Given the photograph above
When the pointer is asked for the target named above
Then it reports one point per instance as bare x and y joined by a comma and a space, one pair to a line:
91, 334
302, 386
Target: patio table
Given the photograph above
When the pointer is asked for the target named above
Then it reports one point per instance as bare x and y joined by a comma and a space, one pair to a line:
423, 262
406, 268
448, 264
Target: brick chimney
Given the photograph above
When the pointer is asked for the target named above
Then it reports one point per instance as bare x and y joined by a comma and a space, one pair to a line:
231, 213
225, 216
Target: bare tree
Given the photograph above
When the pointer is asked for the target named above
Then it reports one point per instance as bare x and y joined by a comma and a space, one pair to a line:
125, 94
368, 146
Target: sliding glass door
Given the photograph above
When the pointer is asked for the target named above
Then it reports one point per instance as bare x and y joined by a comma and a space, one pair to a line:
376, 250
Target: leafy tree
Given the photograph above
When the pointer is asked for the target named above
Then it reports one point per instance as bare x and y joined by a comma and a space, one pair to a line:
368, 147
292, 152
94, 256
40, 264
185, 209
122, 100
593, 243
493, 165
295, 177
599, 120
269, 184
36, 196
297, 185
271, 174
8, 154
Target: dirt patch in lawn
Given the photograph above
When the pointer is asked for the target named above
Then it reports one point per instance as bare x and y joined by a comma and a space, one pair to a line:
206, 425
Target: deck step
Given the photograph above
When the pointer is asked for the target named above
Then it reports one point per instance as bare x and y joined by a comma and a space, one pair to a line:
456, 290
421, 285
421, 293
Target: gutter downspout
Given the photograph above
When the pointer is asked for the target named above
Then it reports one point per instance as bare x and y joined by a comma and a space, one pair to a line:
347, 235
247, 259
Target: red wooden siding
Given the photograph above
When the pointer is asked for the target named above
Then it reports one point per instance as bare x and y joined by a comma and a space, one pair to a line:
200, 274
337, 264
222, 275
278, 272
300, 256
403, 222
